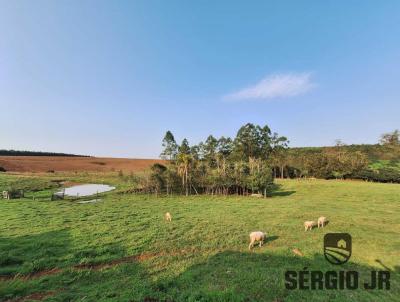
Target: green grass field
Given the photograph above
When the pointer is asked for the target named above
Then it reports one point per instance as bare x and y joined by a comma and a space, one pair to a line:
121, 249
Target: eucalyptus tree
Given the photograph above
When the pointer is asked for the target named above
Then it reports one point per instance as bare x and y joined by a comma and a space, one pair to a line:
170, 147
247, 142
224, 146
210, 150
184, 161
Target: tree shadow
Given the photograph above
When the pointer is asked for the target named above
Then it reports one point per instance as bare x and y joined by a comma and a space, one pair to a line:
277, 191
238, 276
282, 193
32, 253
224, 276
50, 264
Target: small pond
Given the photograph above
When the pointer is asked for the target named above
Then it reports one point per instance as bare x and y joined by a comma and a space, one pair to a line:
86, 190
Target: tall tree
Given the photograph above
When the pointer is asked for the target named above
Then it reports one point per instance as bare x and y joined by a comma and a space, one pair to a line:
184, 148
224, 146
391, 138
247, 143
184, 160
210, 150
170, 147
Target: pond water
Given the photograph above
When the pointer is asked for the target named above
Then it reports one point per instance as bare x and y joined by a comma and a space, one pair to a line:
86, 190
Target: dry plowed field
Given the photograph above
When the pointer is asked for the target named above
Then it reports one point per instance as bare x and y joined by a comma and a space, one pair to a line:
56, 163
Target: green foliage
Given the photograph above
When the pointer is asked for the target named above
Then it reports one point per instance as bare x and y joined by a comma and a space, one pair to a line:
253, 141
26, 183
219, 166
170, 146
385, 174
341, 161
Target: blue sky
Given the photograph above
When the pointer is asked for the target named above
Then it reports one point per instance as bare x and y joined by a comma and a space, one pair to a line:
108, 78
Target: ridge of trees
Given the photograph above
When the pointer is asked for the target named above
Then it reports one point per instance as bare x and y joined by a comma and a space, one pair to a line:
36, 153
343, 161
248, 163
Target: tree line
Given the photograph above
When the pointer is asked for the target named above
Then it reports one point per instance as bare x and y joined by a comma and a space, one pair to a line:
249, 162
379, 162
36, 153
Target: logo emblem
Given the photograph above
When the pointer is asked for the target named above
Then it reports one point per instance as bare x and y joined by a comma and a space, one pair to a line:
337, 247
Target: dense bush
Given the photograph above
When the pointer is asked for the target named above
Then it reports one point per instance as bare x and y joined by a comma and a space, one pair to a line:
387, 174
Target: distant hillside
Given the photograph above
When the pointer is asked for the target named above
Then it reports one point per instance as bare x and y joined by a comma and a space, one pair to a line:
374, 152
36, 153
73, 164
381, 162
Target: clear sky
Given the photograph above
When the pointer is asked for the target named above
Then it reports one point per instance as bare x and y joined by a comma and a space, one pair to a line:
108, 78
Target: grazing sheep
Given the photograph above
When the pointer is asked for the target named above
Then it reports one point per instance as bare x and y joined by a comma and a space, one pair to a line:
256, 236
168, 216
322, 221
308, 225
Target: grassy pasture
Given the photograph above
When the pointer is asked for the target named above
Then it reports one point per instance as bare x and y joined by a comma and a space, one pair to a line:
121, 249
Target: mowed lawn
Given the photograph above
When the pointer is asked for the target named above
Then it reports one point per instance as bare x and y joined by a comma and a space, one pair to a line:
121, 249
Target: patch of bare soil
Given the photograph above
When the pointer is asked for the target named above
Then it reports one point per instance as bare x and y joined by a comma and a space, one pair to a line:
34, 275
35, 296
72, 164
96, 266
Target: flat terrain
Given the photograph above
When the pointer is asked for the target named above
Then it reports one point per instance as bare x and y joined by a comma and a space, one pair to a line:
62, 164
121, 249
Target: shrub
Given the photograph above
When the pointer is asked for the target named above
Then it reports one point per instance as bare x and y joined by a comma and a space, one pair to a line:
386, 174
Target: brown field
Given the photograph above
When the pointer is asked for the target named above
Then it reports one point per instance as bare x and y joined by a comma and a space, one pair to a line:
55, 163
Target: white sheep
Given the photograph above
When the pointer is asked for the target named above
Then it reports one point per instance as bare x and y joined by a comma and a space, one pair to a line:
308, 225
256, 236
168, 216
322, 221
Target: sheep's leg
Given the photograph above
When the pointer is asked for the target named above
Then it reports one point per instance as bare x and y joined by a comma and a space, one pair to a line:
251, 244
